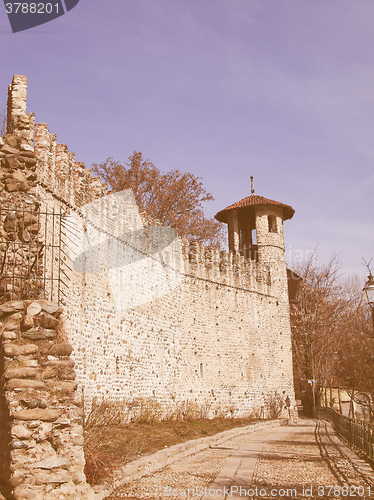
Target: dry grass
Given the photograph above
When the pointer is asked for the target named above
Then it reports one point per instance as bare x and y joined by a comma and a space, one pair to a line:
118, 432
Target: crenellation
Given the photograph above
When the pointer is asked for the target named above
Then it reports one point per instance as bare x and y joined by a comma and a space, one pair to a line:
82, 194
17, 101
78, 175
212, 263
62, 160
24, 127
185, 246
71, 177
98, 189
238, 268
86, 186
42, 142
62, 171
225, 263
45, 152
196, 253
146, 314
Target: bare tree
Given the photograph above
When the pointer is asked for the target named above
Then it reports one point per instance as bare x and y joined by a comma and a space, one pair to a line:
317, 323
333, 345
174, 198
354, 367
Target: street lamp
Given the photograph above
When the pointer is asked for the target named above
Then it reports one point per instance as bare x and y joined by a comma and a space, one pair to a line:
369, 292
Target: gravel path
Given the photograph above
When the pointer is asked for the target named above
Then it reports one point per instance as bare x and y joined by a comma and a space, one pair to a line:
313, 466
193, 472
301, 461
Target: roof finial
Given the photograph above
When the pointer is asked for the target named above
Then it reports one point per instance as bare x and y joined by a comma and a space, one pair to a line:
252, 188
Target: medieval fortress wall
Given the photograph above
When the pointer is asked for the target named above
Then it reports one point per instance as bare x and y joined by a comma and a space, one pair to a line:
150, 315
133, 312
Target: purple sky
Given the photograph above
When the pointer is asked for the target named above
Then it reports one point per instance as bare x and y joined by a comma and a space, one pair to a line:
279, 89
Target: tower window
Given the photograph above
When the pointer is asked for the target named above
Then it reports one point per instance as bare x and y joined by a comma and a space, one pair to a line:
272, 224
254, 237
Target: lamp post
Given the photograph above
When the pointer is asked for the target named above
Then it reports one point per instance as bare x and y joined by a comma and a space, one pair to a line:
369, 292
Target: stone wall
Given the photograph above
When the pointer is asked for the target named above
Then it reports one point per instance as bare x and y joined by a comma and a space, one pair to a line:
29, 225
219, 338
20, 220
160, 318
41, 438
41, 411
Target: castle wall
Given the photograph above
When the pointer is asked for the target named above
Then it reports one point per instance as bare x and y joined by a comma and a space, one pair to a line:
150, 315
216, 339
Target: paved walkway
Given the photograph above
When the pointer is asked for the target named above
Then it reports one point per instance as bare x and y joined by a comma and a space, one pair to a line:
301, 461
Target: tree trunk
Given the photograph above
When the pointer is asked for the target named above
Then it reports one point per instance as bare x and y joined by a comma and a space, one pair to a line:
340, 401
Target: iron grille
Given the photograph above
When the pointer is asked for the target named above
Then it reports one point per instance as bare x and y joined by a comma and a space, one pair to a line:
33, 262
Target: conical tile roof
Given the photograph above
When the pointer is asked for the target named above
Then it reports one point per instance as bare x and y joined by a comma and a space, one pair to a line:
250, 202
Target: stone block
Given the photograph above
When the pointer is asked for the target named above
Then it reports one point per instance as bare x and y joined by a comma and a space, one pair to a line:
21, 372
38, 414
47, 320
17, 444
18, 478
53, 477
61, 385
11, 140
66, 374
14, 384
10, 150
12, 325
27, 154
16, 350
39, 334
11, 307
50, 307
29, 492
19, 177
25, 147
27, 321
9, 336
30, 162
62, 349
34, 307
52, 463
60, 363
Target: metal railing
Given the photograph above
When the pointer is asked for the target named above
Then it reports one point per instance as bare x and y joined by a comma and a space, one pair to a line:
359, 434
32, 258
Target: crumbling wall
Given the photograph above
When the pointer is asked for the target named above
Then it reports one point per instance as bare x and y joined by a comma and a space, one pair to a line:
41, 436
21, 249
5, 438
41, 410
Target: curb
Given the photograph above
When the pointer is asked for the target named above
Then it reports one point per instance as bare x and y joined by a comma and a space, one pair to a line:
148, 464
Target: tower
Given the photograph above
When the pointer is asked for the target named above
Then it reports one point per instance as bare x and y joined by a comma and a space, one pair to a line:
255, 227
255, 230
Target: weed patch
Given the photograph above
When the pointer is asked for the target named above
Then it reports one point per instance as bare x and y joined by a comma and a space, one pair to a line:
117, 433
